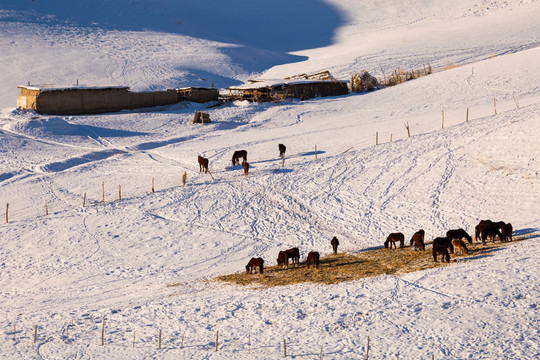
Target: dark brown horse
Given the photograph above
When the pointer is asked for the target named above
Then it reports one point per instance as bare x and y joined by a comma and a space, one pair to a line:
478, 228
440, 248
237, 155
282, 149
253, 264
507, 232
284, 256
444, 241
485, 225
417, 240
393, 238
491, 232
334, 242
245, 165
203, 164
458, 234
313, 258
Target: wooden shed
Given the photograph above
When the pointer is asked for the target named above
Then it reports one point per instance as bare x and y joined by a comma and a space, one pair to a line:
299, 87
197, 94
74, 100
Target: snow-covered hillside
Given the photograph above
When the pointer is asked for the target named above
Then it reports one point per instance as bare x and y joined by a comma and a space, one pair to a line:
145, 263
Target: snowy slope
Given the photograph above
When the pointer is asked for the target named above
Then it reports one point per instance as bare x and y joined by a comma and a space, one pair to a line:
145, 262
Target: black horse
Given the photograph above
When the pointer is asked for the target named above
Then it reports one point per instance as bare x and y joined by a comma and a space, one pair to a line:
282, 149
334, 242
284, 256
440, 248
237, 155
458, 234
507, 232
444, 241
203, 164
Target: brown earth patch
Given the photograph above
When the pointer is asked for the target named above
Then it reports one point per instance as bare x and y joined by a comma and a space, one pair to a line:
347, 267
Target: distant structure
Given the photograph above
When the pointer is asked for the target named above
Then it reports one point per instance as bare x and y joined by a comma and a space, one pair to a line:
301, 87
197, 94
75, 100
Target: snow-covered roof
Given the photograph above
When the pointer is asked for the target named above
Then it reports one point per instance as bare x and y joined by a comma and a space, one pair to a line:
68, 87
258, 84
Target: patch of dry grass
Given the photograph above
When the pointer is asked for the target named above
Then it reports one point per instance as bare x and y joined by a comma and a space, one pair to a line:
347, 267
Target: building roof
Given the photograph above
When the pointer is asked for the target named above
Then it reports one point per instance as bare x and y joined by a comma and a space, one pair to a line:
68, 87
260, 84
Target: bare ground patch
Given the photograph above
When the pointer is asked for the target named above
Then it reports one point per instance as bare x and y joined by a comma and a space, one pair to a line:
347, 267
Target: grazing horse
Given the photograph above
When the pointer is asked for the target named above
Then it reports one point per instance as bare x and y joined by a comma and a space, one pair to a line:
334, 242
203, 164
484, 225
421, 232
282, 149
253, 264
393, 238
507, 232
460, 245
491, 232
458, 234
313, 258
439, 248
237, 155
245, 165
284, 256
444, 241
418, 240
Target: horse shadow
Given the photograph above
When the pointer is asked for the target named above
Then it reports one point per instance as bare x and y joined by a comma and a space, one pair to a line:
527, 231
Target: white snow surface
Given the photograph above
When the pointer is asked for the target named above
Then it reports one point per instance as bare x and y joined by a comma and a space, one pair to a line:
144, 264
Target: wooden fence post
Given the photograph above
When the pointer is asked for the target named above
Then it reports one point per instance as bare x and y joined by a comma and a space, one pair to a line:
443, 119
182, 342
103, 331
35, 334
376, 138
153, 189
467, 117
7, 211
367, 349
46, 208
84, 200
315, 152
103, 192
119, 192
217, 340
159, 342
408, 128
284, 348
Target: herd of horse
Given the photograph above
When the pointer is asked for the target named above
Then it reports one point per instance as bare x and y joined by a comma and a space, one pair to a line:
444, 245
203, 162
453, 241
293, 254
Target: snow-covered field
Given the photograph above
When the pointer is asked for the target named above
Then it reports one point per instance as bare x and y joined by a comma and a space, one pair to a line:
145, 263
